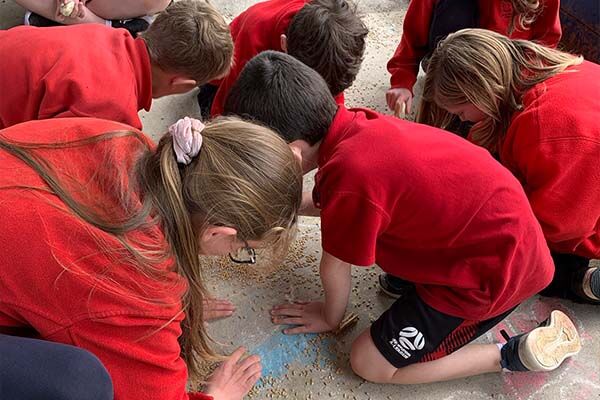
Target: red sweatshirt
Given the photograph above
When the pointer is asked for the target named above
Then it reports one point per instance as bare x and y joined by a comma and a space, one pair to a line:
430, 208
494, 15
553, 147
56, 272
257, 29
85, 70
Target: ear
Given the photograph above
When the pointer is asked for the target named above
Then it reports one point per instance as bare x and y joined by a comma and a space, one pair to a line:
283, 42
214, 233
296, 146
180, 84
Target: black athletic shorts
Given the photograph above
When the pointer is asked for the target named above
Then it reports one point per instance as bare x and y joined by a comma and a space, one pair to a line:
410, 331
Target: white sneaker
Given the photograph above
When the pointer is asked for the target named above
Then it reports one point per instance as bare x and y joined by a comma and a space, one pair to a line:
547, 346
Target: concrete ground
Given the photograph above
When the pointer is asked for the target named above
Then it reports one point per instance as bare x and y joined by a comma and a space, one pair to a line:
316, 366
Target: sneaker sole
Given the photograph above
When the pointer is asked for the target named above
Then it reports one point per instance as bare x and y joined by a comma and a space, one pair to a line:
546, 347
587, 284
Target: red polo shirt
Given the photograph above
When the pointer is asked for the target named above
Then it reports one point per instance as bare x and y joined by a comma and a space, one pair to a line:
87, 70
553, 147
257, 29
431, 208
494, 15
59, 277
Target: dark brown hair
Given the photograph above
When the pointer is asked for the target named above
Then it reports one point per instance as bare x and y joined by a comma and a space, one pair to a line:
278, 90
329, 36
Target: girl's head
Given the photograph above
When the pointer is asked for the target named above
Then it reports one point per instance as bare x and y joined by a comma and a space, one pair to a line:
242, 189
481, 76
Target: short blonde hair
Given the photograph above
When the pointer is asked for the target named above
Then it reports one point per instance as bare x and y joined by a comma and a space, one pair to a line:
190, 37
490, 71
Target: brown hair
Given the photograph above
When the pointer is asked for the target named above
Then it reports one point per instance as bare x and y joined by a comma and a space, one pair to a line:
190, 37
329, 36
490, 71
245, 177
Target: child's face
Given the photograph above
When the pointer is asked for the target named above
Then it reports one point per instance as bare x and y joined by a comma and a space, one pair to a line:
466, 112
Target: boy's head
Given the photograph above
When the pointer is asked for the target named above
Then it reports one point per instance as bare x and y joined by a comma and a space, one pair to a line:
328, 36
189, 44
278, 90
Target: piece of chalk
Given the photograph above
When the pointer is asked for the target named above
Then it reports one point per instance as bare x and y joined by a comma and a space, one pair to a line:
67, 8
400, 109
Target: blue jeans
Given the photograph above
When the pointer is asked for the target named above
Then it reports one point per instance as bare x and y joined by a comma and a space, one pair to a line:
32, 369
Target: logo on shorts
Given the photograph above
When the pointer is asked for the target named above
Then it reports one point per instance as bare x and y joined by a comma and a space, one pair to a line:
409, 339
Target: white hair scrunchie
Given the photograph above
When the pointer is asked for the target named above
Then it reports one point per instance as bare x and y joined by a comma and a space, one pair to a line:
187, 139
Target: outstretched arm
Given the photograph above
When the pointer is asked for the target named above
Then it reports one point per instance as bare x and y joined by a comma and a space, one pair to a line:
315, 317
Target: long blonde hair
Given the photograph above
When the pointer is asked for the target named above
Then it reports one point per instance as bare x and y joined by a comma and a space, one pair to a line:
245, 177
490, 71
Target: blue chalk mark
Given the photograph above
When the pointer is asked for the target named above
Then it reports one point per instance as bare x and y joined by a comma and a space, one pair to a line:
279, 351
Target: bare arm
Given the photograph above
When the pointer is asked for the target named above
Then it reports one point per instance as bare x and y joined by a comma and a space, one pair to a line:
308, 208
315, 317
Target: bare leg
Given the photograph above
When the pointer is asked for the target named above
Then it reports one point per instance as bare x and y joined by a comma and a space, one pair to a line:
473, 359
47, 9
125, 9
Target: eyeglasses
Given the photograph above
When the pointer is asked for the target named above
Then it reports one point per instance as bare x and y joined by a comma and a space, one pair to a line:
245, 255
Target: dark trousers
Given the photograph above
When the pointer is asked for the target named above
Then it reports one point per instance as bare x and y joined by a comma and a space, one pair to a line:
450, 16
566, 283
205, 99
580, 22
32, 369
568, 276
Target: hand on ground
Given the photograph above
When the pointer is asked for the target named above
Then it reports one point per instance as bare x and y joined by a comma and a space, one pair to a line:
309, 317
233, 379
217, 309
399, 100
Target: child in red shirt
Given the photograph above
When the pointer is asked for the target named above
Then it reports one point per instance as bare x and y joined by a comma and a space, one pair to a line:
537, 110
327, 35
61, 74
392, 192
428, 21
106, 259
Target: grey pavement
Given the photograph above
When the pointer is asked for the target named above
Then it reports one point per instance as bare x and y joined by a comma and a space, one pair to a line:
316, 366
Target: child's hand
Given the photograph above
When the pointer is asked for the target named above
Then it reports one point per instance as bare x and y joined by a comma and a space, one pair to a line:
69, 9
233, 379
310, 317
399, 100
216, 309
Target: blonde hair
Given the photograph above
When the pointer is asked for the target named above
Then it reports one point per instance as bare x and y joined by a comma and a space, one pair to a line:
245, 177
490, 71
190, 37
525, 12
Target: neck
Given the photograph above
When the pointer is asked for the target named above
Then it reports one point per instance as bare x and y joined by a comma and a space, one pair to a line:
310, 157
159, 82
